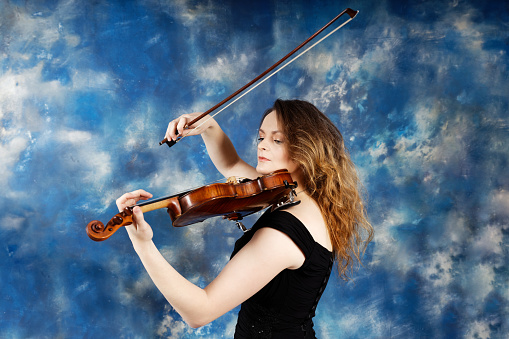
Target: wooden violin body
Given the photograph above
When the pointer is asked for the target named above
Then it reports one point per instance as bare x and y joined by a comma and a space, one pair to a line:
233, 201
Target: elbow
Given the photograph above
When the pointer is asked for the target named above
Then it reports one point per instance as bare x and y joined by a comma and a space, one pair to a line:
196, 323
197, 313
197, 318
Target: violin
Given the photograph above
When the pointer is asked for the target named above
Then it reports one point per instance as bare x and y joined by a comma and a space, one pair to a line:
232, 200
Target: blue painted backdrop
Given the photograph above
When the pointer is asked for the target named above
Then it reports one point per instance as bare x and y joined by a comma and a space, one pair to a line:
419, 90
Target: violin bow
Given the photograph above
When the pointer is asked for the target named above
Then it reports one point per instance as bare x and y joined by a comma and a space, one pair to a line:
351, 13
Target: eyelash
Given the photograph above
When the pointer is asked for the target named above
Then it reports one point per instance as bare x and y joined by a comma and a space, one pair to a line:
275, 140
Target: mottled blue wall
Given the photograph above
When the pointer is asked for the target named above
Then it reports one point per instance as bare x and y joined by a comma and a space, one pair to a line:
420, 92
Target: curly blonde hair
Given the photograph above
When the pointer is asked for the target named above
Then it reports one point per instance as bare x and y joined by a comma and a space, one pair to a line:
331, 179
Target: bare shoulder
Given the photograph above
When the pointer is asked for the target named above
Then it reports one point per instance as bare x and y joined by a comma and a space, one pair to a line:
277, 244
308, 212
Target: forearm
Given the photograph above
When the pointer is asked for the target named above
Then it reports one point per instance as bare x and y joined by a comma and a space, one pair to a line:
190, 301
220, 149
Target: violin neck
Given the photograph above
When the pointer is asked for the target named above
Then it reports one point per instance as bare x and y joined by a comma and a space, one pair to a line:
156, 204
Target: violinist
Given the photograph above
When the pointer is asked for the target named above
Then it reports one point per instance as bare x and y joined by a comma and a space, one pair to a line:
279, 269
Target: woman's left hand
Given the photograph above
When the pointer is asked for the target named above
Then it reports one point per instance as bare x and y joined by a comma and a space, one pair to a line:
140, 231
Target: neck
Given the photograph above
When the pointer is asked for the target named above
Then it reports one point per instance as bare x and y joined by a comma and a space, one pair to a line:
298, 177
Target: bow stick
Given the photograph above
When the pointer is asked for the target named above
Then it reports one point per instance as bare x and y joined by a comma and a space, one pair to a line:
352, 13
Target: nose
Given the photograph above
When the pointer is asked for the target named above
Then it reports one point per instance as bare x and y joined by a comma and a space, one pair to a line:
262, 145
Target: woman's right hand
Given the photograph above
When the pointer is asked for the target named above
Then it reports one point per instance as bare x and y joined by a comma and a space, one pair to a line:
176, 126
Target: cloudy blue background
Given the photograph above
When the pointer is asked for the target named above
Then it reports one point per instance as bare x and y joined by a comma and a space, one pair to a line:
419, 90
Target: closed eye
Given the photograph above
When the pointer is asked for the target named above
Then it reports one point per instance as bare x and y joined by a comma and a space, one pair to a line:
276, 141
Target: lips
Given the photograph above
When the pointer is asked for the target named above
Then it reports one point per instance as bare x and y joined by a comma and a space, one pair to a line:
263, 159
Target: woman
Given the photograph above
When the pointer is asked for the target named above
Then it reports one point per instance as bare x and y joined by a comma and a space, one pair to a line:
279, 269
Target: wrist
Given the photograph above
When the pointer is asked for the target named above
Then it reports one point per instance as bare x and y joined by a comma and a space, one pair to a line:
210, 125
143, 246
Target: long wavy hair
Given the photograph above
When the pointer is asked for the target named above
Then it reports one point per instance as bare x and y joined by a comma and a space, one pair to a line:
330, 178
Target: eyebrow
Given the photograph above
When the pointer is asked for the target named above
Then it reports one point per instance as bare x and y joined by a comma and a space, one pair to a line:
273, 132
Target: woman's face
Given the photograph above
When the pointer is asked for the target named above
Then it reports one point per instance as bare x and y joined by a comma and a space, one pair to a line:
273, 147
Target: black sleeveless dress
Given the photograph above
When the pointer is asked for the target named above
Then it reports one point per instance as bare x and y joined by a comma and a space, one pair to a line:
284, 308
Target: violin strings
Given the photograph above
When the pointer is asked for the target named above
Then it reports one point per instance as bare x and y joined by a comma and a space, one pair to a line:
148, 202
267, 77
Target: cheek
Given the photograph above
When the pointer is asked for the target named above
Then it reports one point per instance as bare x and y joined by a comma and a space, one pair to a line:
287, 162
292, 166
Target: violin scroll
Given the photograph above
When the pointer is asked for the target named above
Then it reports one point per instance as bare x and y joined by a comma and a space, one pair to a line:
98, 232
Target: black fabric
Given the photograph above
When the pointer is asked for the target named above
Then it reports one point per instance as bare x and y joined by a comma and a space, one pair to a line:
284, 308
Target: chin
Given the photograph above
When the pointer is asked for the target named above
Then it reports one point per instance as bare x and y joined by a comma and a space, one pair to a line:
263, 170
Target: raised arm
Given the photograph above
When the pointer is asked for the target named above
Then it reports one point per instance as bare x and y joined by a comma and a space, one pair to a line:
219, 147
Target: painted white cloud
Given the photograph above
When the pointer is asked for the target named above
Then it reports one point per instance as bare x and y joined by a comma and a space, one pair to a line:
11, 222
455, 233
20, 91
388, 251
477, 282
346, 320
438, 269
164, 178
169, 325
87, 79
379, 149
36, 30
500, 202
94, 164
438, 272
140, 133
21, 116
20, 98
478, 330
223, 68
10, 151
488, 242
